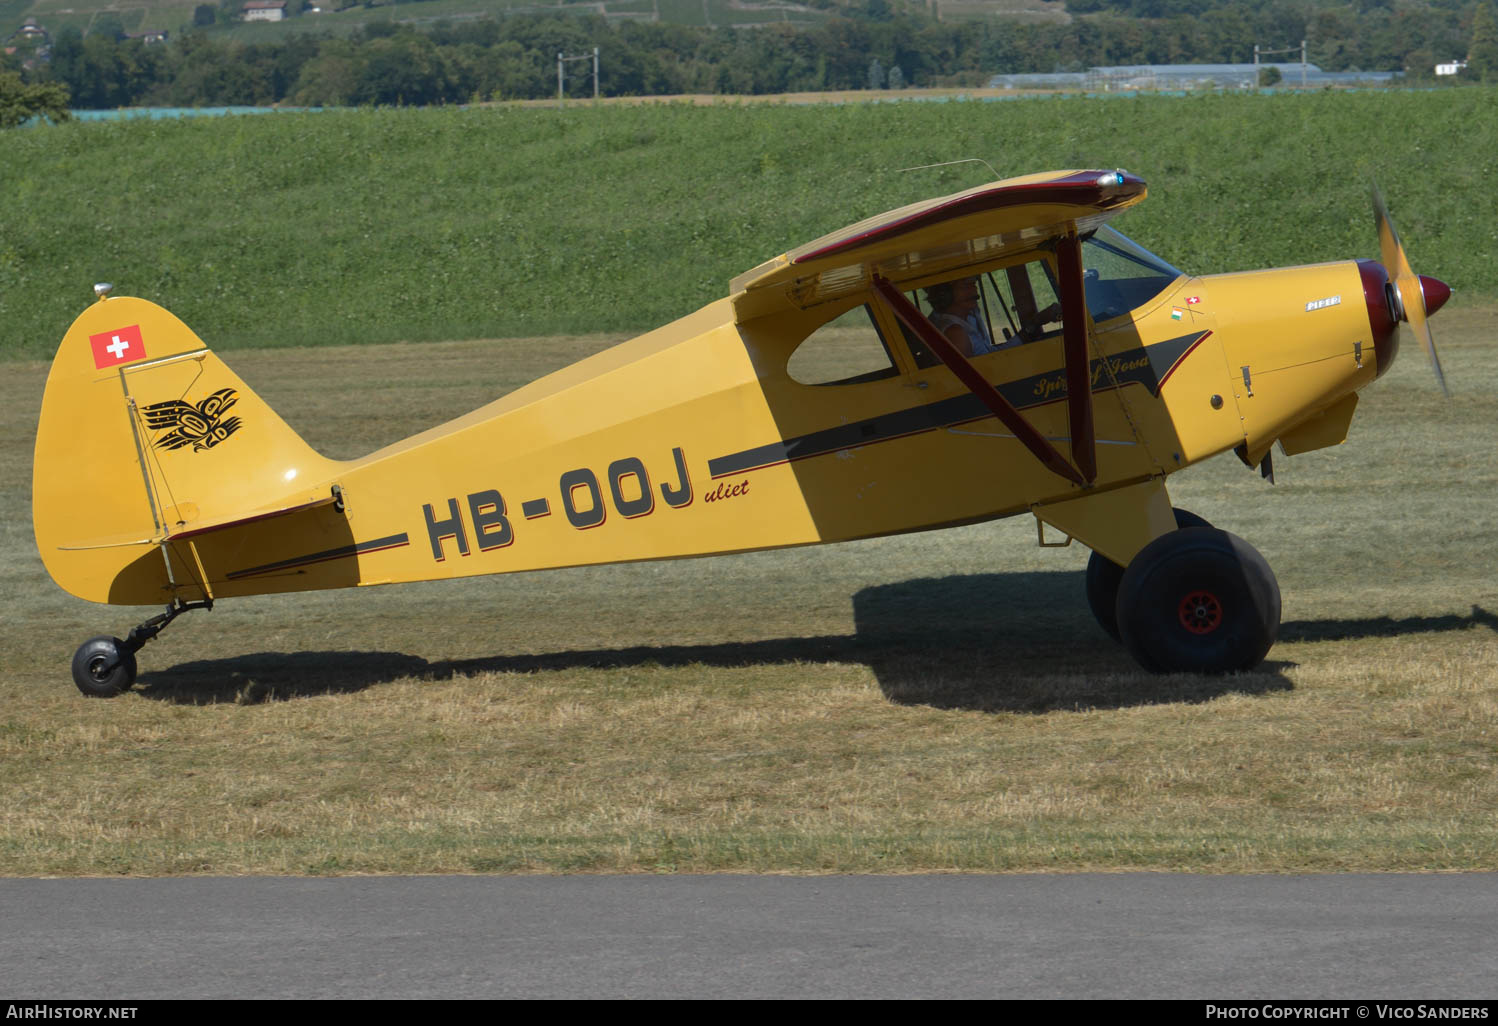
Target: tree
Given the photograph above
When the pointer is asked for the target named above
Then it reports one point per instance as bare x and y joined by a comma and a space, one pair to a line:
19, 102
204, 14
328, 80
93, 69
403, 69
1482, 57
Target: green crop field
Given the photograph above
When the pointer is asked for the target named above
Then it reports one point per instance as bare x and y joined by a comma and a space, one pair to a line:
429, 224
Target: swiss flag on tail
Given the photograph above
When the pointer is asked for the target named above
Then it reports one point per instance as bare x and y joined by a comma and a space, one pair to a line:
123, 345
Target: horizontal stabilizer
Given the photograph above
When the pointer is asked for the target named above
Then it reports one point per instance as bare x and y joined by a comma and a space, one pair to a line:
196, 529
184, 529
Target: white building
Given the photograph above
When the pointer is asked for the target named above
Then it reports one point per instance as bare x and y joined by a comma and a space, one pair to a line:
265, 10
1450, 69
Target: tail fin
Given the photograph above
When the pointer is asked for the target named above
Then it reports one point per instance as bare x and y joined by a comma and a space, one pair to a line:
146, 438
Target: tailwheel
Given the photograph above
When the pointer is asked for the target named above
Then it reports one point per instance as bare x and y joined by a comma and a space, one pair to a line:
1104, 576
104, 667
1198, 600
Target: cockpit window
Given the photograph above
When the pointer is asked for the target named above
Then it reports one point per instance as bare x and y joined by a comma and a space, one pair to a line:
1120, 274
984, 313
847, 350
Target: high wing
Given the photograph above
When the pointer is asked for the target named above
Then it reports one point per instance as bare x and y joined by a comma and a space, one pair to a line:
935, 235
947, 234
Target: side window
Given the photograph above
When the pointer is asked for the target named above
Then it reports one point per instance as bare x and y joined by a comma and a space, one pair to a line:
987, 312
845, 351
1031, 306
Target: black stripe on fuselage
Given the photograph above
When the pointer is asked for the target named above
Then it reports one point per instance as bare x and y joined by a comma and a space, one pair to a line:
395, 541
1147, 365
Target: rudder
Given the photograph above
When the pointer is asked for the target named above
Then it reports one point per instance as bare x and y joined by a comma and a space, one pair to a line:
145, 434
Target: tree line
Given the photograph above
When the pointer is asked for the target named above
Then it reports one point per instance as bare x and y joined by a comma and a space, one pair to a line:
869, 44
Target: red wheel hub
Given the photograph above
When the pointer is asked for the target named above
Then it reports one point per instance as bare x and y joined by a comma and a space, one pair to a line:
1200, 612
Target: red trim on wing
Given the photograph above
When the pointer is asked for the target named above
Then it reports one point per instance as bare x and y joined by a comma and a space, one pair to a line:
1080, 189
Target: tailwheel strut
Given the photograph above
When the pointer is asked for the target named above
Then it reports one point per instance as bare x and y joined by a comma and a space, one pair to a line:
104, 667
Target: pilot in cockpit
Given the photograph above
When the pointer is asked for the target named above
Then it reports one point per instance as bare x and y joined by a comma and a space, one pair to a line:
957, 311
957, 314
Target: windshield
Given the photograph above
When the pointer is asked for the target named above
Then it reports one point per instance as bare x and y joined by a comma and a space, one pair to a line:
1120, 274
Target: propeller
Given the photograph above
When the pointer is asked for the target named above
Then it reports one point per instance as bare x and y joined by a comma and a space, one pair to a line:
1412, 297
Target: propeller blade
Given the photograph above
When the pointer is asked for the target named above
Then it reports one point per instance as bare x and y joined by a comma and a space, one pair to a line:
1415, 315
1409, 287
1390, 250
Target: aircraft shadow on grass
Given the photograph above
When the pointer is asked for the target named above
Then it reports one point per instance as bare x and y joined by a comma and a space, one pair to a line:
1017, 642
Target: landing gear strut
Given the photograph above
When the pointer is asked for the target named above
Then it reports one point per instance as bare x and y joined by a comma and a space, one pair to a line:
104, 667
1104, 576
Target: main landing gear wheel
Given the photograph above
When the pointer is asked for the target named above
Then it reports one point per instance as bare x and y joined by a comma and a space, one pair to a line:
1198, 600
103, 667
1104, 575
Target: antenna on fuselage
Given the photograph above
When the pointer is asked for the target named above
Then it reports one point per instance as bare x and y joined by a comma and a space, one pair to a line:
948, 163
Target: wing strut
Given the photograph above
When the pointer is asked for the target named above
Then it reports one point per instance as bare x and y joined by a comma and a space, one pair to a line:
1074, 346
1000, 407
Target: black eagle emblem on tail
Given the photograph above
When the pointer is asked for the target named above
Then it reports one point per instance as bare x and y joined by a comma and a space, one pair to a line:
202, 426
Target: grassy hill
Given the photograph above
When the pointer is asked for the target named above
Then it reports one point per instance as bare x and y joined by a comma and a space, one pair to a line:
718, 13
424, 224
172, 15
55, 15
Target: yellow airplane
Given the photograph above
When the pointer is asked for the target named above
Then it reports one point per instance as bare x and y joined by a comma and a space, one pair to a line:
992, 353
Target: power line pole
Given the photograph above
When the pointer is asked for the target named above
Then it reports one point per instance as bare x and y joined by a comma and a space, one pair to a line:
1289, 49
562, 59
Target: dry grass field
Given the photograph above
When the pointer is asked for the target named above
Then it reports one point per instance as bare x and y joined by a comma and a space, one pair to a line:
931, 702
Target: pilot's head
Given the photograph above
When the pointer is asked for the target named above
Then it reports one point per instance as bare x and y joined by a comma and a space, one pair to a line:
948, 294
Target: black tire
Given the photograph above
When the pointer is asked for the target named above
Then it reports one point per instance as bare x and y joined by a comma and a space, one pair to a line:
1198, 600
1104, 575
103, 667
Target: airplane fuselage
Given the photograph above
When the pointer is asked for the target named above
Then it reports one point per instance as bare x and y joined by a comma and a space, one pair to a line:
694, 440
